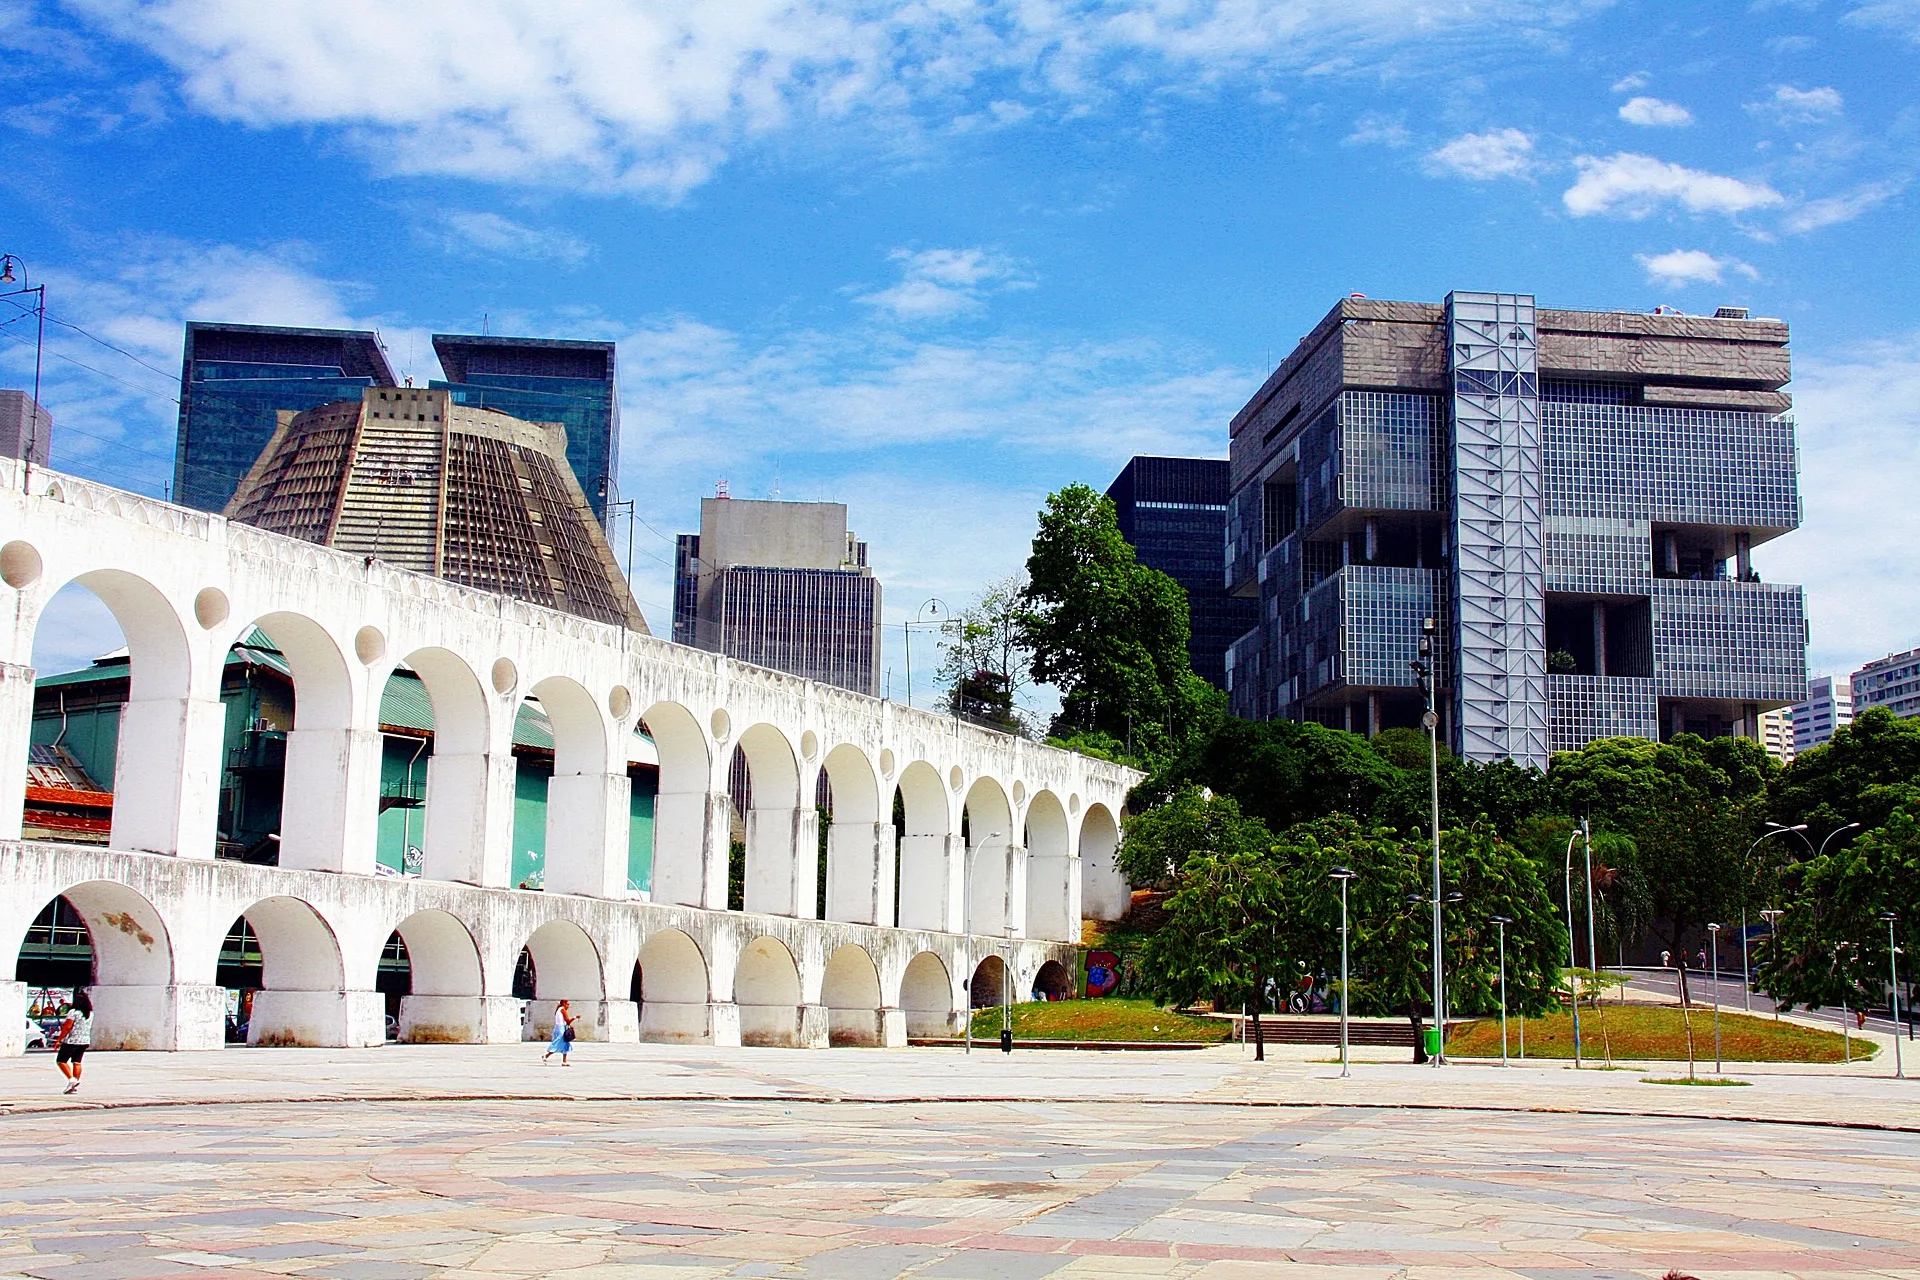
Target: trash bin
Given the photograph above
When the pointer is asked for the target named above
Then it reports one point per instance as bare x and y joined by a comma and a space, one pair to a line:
1433, 1042
1006, 1040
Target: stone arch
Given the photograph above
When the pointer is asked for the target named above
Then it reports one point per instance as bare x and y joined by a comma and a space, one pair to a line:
851, 991
168, 740
1052, 912
987, 986
929, 859
674, 988
782, 832
455, 841
687, 828
1105, 893
1053, 981
302, 998
766, 990
566, 966
136, 1004
926, 996
996, 887
585, 825
317, 820
446, 1001
860, 843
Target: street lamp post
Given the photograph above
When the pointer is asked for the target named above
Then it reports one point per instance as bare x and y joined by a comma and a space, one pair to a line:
1893, 971
920, 619
1006, 997
1713, 942
1431, 722
1846, 1034
1772, 916
1343, 874
1593, 953
1573, 982
1746, 973
7, 263
1501, 922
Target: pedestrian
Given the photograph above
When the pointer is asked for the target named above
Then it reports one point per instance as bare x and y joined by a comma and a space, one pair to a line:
563, 1020
71, 1041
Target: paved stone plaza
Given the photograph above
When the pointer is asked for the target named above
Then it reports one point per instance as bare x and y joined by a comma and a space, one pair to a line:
174, 1164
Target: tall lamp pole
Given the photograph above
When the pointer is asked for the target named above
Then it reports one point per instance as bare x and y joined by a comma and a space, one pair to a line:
1713, 943
1573, 982
1423, 668
1893, 970
1343, 874
1746, 973
1772, 916
1840, 950
921, 618
1501, 923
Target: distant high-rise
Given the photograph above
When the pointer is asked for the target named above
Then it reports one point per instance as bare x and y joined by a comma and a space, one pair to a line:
471, 495
1829, 706
1776, 733
26, 428
1173, 511
1892, 682
781, 585
545, 380
235, 379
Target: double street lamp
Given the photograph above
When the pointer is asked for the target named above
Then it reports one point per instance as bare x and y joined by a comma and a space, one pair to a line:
1501, 922
1342, 874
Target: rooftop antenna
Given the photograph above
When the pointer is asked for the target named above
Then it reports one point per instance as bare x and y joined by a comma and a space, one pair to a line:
486, 318
720, 489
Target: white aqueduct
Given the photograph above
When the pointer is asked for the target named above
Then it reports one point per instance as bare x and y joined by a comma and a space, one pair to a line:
1039, 832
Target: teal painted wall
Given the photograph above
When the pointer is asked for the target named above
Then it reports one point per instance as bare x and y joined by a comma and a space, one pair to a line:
531, 775
400, 826
646, 784
92, 735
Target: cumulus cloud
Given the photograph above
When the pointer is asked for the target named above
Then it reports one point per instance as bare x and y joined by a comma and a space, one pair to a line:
1789, 105
1376, 128
1498, 153
1899, 16
1833, 210
492, 233
938, 283
1631, 81
1654, 113
1691, 266
652, 95
1633, 186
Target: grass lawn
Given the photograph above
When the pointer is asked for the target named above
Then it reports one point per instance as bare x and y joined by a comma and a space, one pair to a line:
1104, 1019
1654, 1033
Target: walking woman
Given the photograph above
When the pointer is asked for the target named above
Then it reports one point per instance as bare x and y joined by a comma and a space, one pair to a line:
75, 1034
563, 1020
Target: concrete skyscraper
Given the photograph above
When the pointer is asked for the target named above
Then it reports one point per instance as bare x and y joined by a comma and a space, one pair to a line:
1571, 495
1173, 512
781, 585
1828, 706
470, 495
234, 381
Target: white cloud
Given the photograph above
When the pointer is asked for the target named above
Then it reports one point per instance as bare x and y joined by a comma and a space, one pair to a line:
1634, 186
1859, 438
1498, 153
1789, 105
1901, 16
652, 95
492, 233
1833, 210
1631, 81
1379, 129
1654, 113
937, 283
1691, 266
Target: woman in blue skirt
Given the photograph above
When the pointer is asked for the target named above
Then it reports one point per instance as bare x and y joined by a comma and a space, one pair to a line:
563, 1020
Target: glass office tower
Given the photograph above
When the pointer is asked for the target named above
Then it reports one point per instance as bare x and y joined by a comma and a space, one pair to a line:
1573, 496
545, 380
234, 381
1173, 512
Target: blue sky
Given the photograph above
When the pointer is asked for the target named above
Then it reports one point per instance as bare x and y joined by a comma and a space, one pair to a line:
935, 258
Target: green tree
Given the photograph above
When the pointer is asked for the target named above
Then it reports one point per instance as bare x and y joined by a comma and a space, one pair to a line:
1110, 633
1862, 774
1283, 773
982, 660
1157, 844
1830, 944
1223, 935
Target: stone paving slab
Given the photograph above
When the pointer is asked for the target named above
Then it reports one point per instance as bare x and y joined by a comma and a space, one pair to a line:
394, 1189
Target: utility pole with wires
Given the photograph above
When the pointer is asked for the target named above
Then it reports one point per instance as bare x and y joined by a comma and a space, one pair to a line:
8, 262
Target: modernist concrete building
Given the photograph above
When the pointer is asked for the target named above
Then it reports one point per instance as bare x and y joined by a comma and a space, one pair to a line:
414, 478
920, 918
26, 428
781, 585
1571, 495
1173, 512
545, 380
235, 379
1828, 706
1892, 682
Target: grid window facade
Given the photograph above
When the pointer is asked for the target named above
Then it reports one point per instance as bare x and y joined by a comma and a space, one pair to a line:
1735, 640
822, 624
1599, 556
1678, 466
1582, 708
1392, 451
1383, 612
